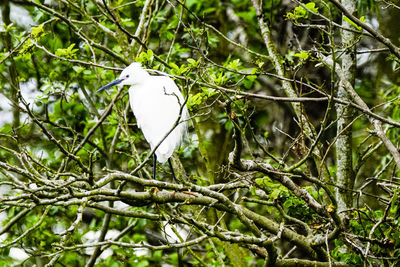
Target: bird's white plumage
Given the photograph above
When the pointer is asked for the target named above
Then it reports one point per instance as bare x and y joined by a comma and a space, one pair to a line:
156, 103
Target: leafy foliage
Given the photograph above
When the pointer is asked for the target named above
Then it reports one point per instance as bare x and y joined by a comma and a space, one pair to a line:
258, 179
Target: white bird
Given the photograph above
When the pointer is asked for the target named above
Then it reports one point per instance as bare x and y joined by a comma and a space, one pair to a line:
157, 105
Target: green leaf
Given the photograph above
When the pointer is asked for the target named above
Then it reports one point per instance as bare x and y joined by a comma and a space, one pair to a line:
37, 31
275, 194
174, 66
67, 52
301, 12
311, 7
394, 208
193, 62
78, 69
303, 55
253, 190
288, 203
352, 23
150, 55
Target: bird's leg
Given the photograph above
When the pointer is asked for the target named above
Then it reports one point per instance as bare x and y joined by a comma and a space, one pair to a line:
154, 166
176, 181
172, 170
154, 173
173, 173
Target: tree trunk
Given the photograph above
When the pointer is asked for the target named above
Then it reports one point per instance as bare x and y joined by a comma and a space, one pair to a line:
344, 177
11, 69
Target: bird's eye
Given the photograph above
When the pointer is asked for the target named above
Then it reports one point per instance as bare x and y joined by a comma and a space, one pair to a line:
127, 76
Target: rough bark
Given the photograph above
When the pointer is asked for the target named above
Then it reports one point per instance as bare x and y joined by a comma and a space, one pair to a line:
13, 76
344, 175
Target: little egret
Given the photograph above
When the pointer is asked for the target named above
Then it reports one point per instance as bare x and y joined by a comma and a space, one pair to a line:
157, 104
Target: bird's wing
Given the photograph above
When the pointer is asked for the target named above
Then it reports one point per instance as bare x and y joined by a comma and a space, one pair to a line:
156, 105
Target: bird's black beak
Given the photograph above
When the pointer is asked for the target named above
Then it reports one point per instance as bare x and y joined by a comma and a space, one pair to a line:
115, 82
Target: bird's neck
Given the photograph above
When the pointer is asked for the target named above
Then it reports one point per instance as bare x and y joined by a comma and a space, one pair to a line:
141, 76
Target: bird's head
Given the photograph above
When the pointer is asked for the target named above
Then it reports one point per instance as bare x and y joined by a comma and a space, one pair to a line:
131, 75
